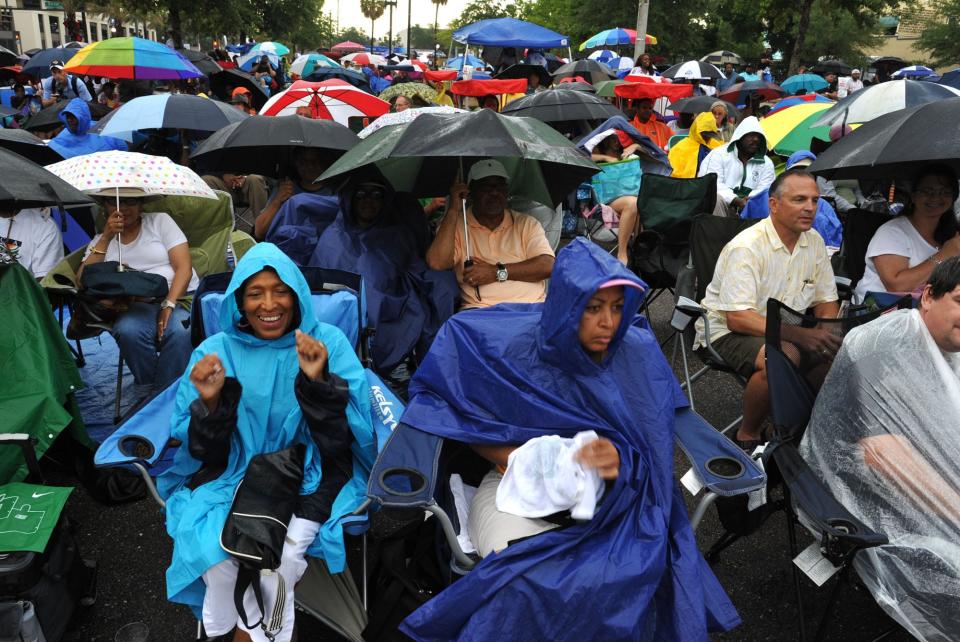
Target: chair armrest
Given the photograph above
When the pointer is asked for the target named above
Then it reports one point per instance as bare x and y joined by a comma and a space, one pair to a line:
840, 533
721, 466
144, 436
25, 442
685, 311
405, 473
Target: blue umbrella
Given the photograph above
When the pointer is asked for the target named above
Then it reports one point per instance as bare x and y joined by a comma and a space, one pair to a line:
39, 64
170, 111
249, 61
913, 71
457, 63
804, 82
603, 55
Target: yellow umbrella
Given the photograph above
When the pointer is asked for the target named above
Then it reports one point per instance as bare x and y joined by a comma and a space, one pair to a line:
789, 130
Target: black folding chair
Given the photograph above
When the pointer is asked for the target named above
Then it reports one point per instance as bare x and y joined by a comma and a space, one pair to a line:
858, 230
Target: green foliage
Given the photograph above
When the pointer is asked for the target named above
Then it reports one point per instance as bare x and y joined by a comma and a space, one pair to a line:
477, 10
353, 35
939, 38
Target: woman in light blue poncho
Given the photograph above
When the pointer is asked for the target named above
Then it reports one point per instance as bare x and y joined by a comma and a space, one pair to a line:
273, 378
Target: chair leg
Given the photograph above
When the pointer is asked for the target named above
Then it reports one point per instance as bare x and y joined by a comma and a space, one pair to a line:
720, 545
792, 539
363, 565
116, 404
831, 603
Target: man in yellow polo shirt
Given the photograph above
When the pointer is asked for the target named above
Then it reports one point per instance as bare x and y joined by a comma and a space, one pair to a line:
511, 255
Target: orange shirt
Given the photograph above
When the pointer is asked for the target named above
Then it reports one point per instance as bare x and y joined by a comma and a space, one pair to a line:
653, 129
519, 237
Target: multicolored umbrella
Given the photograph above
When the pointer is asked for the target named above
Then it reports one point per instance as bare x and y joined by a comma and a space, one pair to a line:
330, 100
305, 65
131, 174
913, 71
738, 94
363, 58
409, 89
405, 116
275, 48
131, 58
804, 82
805, 99
789, 130
614, 37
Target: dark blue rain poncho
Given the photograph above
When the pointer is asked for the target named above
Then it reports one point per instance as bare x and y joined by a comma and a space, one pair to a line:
68, 144
300, 222
508, 374
268, 419
406, 301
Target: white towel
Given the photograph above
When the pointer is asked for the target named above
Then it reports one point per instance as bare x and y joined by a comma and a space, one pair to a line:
544, 478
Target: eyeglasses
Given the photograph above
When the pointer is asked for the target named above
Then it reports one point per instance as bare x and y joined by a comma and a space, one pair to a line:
373, 194
934, 193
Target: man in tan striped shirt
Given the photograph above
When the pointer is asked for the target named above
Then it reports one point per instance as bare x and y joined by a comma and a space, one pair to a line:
781, 258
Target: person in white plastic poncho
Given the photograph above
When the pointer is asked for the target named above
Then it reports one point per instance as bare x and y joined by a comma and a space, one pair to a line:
883, 437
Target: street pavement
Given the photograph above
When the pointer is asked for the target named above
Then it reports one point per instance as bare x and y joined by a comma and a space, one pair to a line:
131, 546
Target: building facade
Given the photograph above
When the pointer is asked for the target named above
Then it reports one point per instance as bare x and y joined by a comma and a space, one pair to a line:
41, 24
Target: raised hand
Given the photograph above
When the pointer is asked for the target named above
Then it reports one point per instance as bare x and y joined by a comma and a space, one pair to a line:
207, 376
602, 455
313, 356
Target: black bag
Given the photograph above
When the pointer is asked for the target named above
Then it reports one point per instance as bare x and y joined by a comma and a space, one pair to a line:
257, 525
103, 281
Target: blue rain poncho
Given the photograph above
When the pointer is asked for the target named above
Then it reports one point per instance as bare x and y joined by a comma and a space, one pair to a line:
514, 372
406, 301
69, 144
268, 419
300, 222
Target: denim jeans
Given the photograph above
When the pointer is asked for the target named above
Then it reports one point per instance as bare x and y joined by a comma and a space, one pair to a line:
136, 333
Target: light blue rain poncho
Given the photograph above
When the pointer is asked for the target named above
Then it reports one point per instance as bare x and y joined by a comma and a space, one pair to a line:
268, 419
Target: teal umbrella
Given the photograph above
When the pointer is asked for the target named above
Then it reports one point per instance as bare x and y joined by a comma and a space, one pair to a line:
426, 156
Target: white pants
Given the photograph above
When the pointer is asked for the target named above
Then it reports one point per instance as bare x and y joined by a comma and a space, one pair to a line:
219, 612
490, 529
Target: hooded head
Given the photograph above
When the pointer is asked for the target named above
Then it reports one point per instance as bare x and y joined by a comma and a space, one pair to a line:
260, 257
749, 125
78, 109
704, 130
581, 269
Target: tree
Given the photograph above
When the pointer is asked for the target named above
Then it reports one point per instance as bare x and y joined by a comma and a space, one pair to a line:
477, 10
372, 9
353, 35
939, 38
436, 17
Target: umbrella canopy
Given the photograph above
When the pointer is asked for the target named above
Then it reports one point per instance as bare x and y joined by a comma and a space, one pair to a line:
49, 117
558, 105
510, 32
602, 55
29, 146
876, 100
347, 45
250, 60
804, 82
525, 71
693, 70
408, 89
201, 61
605, 89
422, 157
700, 104
890, 60
913, 71
173, 111
305, 64
265, 145
131, 58
722, 57
789, 129
405, 116
575, 84
614, 37
364, 59
39, 64
623, 63
790, 101
131, 173
738, 94
896, 144
355, 78
26, 184
591, 70
951, 78
458, 62
14, 73
329, 100
8, 58
269, 47
225, 81
832, 67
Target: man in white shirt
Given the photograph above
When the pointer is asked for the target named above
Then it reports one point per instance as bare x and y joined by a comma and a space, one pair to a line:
742, 167
854, 83
31, 238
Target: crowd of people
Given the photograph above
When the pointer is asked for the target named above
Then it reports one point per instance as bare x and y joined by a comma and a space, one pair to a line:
513, 342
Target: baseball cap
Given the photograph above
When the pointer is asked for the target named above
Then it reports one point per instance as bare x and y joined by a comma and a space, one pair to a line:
802, 158
56, 64
486, 168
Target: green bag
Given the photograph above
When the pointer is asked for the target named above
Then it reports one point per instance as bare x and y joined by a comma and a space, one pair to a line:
28, 515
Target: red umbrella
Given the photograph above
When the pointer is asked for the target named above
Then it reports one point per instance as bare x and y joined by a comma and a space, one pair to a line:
347, 45
737, 94
329, 100
653, 90
419, 64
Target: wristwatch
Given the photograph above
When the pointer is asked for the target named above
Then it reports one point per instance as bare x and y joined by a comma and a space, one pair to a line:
501, 272
167, 303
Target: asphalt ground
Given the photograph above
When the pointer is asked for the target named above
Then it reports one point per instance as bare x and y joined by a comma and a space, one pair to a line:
132, 549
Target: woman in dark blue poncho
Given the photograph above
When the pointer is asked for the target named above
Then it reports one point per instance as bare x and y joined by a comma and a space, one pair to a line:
499, 377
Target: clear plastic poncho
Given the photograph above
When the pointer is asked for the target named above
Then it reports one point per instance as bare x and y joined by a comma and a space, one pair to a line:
884, 439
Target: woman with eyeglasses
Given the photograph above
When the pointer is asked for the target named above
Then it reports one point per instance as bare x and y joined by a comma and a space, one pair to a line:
152, 338
904, 251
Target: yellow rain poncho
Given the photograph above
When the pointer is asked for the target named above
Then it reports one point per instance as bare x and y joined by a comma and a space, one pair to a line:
686, 155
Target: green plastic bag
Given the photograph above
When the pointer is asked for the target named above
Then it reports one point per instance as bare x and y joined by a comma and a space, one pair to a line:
28, 515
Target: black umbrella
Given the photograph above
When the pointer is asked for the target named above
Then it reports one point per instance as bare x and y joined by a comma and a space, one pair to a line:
265, 144
525, 71
576, 85
722, 57
49, 117
700, 104
207, 65
557, 105
29, 146
26, 184
225, 81
693, 70
553, 62
39, 64
832, 67
8, 58
589, 69
896, 144
355, 78
29, 53
890, 60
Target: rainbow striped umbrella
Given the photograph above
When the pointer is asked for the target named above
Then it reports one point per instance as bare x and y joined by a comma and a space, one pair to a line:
132, 58
614, 37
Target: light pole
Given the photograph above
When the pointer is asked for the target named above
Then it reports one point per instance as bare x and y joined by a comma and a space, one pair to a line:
409, 10
390, 4
643, 10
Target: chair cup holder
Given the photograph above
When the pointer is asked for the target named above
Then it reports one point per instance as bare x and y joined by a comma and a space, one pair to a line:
725, 467
134, 446
403, 481
844, 526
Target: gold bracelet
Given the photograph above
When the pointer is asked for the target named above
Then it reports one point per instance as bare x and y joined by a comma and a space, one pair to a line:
96, 251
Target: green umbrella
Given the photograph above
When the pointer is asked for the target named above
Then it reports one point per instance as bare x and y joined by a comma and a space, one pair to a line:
605, 88
409, 89
801, 136
425, 156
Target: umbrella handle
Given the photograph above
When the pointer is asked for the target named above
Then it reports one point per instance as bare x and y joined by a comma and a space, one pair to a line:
119, 239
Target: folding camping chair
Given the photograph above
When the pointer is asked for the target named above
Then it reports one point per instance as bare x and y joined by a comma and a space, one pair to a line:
806, 500
858, 230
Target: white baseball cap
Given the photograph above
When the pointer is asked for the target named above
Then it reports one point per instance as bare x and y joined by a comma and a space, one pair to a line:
485, 168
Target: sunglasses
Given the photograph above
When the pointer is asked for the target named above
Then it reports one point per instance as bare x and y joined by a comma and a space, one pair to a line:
374, 194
